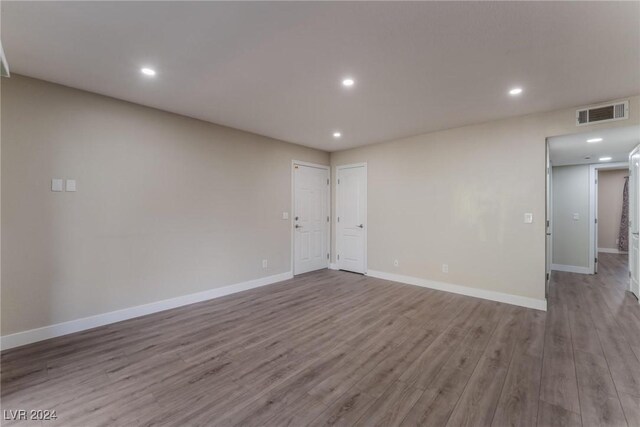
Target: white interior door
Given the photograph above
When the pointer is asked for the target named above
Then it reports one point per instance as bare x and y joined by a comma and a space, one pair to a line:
310, 218
351, 221
634, 216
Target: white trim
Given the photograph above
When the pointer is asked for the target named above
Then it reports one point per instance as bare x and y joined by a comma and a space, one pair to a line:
548, 212
333, 266
77, 325
611, 251
463, 290
366, 211
293, 207
593, 223
572, 268
593, 208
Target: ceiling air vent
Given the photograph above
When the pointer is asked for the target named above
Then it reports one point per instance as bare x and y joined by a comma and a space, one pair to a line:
602, 113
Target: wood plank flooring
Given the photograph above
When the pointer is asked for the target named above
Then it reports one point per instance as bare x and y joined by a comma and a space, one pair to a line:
334, 348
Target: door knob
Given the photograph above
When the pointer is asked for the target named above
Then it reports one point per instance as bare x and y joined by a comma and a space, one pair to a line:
298, 226
361, 226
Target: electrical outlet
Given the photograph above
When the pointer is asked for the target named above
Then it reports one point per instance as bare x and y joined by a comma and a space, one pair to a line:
445, 268
395, 262
264, 263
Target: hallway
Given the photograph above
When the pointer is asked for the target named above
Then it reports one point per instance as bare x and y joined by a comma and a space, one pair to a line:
591, 362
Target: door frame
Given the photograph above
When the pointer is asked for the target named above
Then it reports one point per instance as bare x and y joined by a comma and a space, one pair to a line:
548, 242
593, 207
366, 213
635, 200
292, 230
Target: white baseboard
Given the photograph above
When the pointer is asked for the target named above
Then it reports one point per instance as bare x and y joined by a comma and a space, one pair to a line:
571, 269
333, 266
463, 290
77, 325
611, 251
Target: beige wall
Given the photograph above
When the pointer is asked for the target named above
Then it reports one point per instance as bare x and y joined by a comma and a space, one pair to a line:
610, 186
166, 205
458, 197
570, 197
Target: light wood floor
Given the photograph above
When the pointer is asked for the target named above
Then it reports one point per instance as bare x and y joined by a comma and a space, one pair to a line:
338, 348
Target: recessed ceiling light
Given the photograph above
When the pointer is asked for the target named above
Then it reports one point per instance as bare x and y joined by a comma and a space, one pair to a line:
594, 140
348, 82
337, 134
148, 71
515, 91
604, 159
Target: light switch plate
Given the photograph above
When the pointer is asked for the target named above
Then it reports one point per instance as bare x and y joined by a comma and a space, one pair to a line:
71, 185
528, 218
285, 215
56, 184
576, 216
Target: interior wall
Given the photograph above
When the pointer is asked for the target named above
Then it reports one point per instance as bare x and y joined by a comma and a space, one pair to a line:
571, 216
458, 197
165, 205
610, 188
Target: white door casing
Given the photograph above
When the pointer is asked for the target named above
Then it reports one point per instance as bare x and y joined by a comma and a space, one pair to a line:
595, 223
548, 228
310, 217
351, 218
634, 217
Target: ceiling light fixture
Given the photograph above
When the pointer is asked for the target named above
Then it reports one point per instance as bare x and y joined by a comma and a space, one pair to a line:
348, 82
594, 140
515, 91
148, 71
337, 134
604, 159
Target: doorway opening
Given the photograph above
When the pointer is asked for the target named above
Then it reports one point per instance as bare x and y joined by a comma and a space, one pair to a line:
591, 202
610, 209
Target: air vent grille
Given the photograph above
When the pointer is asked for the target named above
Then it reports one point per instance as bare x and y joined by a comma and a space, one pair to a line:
602, 113
583, 116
